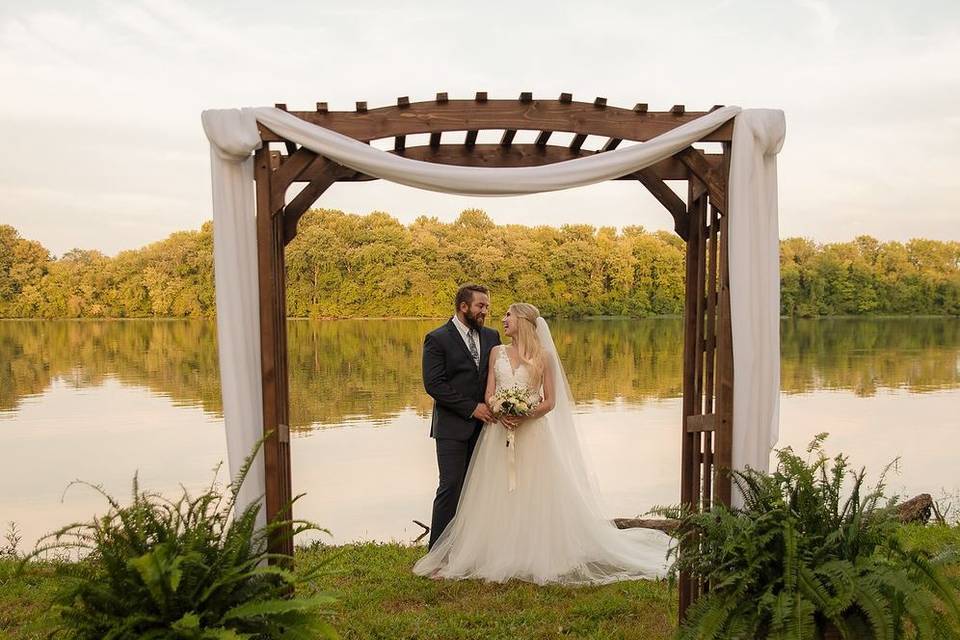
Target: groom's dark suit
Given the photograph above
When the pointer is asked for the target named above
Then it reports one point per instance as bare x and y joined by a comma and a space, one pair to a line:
456, 385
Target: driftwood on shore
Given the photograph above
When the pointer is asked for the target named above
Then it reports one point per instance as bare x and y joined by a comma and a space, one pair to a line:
916, 509
660, 524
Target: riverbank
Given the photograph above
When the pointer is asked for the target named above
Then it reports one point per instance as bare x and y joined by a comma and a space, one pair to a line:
381, 598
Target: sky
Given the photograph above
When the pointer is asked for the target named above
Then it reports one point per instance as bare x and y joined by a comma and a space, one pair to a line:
102, 101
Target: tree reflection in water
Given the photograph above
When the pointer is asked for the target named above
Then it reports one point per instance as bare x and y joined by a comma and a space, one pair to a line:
370, 369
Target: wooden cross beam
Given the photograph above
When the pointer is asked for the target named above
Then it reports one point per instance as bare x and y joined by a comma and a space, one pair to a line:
670, 200
495, 155
328, 172
710, 176
290, 170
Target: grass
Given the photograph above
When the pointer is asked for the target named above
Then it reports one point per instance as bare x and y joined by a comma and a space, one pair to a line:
25, 612
381, 598
933, 538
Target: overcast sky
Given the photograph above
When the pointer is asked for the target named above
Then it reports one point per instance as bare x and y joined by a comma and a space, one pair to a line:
102, 100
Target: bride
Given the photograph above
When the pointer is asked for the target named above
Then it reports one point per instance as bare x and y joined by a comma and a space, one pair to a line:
529, 508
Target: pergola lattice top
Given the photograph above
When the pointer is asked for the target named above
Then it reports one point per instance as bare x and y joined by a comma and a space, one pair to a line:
544, 117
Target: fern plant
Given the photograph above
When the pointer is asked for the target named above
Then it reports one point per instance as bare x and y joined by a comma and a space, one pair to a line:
190, 569
811, 548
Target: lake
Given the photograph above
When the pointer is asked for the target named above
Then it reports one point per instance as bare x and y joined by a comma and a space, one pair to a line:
101, 400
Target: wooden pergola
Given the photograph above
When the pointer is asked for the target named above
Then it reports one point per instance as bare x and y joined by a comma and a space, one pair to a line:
702, 221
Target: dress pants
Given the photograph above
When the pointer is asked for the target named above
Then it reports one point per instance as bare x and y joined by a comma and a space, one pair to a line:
453, 459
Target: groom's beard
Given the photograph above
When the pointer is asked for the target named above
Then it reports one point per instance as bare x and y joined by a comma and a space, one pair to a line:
474, 321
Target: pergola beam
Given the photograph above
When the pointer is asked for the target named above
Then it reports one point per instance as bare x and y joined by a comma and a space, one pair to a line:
611, 144
329, 172
670, 200
291, 168
480, 113
710, 176
516, 155
577, 142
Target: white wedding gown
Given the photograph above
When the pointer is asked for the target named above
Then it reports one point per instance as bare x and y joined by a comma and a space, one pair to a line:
550, 528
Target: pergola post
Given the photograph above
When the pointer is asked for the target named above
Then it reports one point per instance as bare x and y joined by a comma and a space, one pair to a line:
723, 447
706, 424
273, 354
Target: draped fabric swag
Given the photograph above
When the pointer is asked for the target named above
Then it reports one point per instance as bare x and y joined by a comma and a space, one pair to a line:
753, 249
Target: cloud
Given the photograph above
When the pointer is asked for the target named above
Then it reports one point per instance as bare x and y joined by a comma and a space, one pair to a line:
827, 21
107, 97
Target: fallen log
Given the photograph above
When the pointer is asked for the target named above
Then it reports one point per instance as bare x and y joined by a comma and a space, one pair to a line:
916, 509
660, 524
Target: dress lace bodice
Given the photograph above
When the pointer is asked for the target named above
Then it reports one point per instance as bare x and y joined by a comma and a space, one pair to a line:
506, 376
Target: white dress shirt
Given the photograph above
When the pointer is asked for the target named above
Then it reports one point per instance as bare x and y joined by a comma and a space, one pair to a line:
465, 334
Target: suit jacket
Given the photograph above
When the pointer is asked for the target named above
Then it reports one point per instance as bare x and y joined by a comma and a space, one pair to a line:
453, 380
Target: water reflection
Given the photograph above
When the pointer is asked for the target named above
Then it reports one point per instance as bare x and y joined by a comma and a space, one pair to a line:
352, 370
173, 358
99, 400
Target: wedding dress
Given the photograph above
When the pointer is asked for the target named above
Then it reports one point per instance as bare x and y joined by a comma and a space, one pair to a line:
534, 514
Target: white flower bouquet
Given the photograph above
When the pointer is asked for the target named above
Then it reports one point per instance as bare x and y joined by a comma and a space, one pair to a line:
513, 401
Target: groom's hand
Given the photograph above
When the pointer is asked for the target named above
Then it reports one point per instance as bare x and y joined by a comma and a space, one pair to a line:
482, 412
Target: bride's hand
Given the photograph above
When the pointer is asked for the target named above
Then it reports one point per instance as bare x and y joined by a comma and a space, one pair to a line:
512, 422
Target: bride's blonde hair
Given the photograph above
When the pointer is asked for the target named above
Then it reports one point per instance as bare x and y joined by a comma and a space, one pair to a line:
526, 339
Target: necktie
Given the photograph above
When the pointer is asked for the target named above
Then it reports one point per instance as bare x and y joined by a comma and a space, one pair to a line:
473, 347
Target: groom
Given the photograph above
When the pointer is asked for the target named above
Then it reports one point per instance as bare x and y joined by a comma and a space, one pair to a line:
455, 360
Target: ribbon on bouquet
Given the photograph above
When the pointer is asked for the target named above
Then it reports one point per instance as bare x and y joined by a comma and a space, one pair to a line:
511, 460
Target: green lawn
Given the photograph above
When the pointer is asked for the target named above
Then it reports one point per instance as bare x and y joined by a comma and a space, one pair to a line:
381, 598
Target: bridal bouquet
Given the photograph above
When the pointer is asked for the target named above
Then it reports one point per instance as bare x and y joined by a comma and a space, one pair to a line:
513, 401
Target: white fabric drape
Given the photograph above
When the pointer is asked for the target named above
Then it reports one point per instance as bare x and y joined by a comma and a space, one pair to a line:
489, 181
758, 135
237, 293
754, 262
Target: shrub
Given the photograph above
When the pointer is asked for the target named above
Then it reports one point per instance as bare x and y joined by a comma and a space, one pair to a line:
189, 569
811, 548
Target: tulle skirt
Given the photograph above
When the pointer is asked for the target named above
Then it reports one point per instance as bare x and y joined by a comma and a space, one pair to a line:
544, 530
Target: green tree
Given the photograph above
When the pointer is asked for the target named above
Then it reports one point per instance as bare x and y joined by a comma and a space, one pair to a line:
342, 265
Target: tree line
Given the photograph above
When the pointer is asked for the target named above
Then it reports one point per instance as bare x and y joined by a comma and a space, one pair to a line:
343, 265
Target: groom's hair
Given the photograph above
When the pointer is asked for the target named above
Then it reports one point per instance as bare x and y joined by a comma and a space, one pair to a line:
465, 293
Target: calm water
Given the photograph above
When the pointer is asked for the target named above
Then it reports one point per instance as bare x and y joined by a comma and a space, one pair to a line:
99, 400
